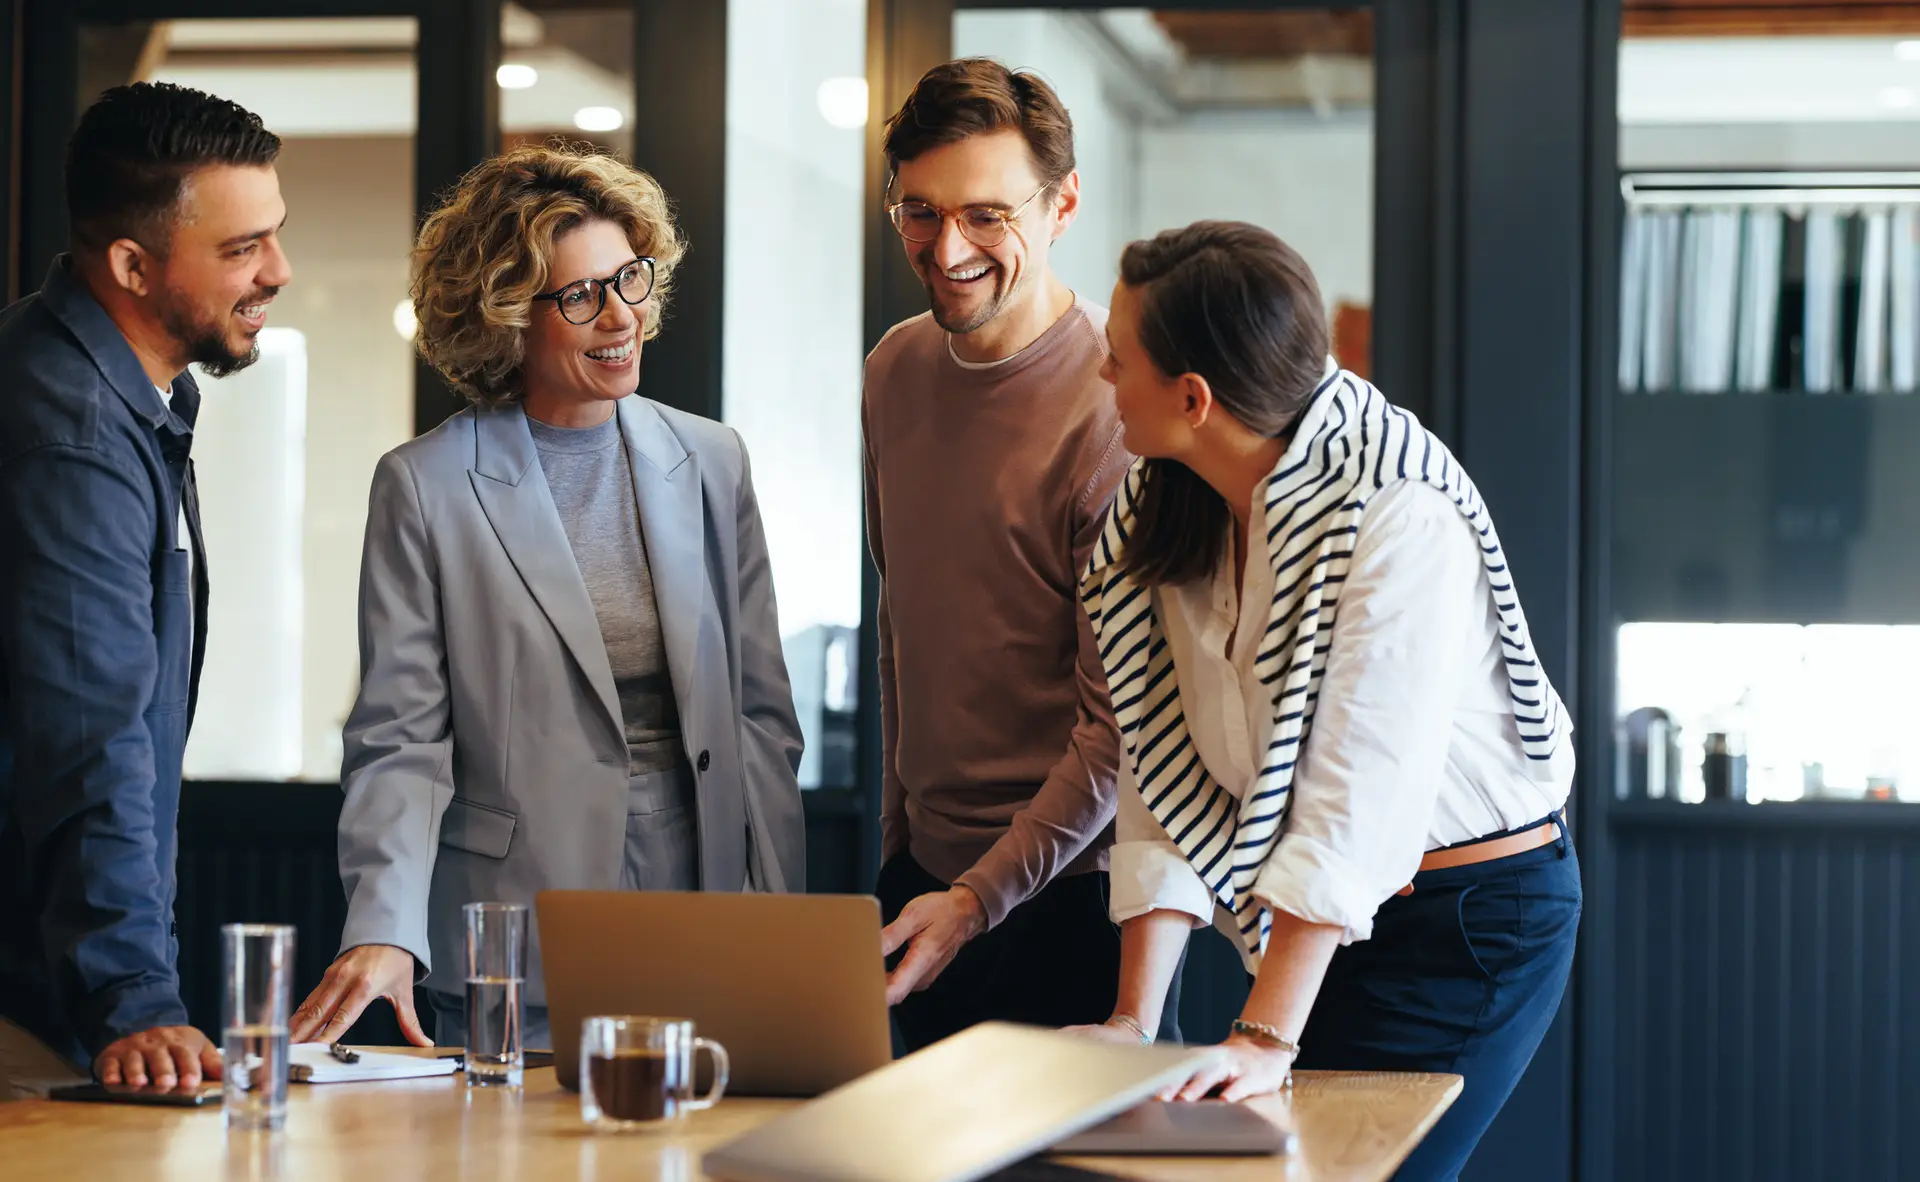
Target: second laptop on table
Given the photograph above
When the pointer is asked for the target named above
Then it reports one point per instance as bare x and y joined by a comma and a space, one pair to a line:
792, 985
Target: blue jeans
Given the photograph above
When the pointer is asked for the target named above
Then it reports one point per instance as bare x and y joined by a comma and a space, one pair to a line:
1463, 976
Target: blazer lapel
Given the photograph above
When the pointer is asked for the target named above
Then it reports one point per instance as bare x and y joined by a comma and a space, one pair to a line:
513, 493
666, 484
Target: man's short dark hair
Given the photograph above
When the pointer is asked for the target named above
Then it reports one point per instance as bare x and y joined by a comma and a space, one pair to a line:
130, 158
977, 96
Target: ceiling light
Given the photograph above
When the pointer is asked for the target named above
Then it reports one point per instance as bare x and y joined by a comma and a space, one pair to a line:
843, 102
1896, 96
1907, 51
404, 322
515, 76
598, 119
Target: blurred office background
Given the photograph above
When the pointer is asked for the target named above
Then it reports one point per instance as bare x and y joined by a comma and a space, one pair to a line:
1651, 266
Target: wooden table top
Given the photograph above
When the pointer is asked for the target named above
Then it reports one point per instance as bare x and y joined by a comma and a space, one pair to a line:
1354, 1127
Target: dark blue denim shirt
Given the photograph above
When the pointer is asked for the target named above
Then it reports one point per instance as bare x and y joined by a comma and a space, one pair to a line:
102, 629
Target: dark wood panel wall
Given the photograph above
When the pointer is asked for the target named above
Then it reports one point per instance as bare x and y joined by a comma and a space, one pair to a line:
1765, 978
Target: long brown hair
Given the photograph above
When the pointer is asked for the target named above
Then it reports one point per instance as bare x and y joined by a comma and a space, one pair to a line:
1234, 304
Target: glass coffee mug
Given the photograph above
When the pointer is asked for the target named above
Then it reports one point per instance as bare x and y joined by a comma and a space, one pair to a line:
637, 1073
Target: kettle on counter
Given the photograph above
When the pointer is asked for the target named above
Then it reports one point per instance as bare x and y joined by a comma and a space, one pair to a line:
1647, 756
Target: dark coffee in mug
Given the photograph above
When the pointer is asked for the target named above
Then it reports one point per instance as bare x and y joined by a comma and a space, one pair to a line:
635, 1084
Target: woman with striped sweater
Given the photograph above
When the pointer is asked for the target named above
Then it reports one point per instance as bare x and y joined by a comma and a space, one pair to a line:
1339, 744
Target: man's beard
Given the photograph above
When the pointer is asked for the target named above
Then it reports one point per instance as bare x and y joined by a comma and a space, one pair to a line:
991, 307
205, 341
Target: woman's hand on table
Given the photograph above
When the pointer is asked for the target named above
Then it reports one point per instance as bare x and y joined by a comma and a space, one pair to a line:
352, 983
1240, 1068
1118, 1029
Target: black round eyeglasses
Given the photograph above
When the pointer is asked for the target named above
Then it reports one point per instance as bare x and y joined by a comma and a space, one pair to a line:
582, 301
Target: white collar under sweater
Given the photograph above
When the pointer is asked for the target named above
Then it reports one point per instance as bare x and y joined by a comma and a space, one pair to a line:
1350, 442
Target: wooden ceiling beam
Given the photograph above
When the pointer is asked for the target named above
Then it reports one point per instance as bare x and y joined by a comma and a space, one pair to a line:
1270, 34
1768, 18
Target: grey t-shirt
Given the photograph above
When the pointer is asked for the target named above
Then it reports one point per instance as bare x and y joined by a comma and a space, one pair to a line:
593, 489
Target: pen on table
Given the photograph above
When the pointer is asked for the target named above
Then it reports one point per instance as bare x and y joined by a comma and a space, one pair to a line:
302, 1073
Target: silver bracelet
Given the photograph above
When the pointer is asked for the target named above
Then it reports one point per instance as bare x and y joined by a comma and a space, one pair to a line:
1132, 1023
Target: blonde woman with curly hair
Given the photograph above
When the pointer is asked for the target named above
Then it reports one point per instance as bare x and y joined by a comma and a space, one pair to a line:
571, 665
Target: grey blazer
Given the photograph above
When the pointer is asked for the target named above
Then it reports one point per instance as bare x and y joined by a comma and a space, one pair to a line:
485, 757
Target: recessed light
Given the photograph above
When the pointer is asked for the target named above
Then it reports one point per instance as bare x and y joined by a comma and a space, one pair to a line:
515, 76
598, 119
404, 322
843, 102
1897, 96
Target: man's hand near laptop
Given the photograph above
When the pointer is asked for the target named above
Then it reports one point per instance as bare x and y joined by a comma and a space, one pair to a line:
352, 983
933, 928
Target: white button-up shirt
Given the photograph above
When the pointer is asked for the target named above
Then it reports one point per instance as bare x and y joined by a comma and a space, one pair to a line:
186, 543
1413, 746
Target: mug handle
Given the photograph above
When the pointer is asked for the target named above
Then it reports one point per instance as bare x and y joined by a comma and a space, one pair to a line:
721, 1065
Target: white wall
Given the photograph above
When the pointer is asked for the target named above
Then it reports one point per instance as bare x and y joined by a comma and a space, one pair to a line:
1769, 103
1689, 146
1308, 179
1725, 80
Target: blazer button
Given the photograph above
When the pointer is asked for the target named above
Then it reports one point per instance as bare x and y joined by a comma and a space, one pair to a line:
703, 761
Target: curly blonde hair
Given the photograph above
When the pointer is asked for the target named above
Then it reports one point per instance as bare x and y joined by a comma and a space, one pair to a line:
488, 250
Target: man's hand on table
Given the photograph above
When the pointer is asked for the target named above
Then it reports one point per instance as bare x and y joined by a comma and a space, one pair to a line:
933, 927
352, 983
166, 1057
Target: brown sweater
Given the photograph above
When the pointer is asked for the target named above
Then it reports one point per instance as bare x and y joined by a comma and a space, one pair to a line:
986, 490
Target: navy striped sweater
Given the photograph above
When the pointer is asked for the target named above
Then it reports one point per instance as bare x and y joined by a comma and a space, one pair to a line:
1351, 442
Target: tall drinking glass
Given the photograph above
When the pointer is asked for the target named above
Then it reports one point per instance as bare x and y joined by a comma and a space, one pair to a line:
257, 961
496, 981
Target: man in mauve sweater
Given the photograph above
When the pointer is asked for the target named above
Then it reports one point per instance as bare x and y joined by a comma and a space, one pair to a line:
992, 451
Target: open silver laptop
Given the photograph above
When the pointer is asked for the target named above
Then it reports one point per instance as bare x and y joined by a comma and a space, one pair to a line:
792, 985
956, 1111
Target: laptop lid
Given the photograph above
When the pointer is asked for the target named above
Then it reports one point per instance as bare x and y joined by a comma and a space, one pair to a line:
792, 985
956, 1111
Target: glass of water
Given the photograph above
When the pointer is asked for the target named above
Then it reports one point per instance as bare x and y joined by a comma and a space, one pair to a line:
496, 979
257, 960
